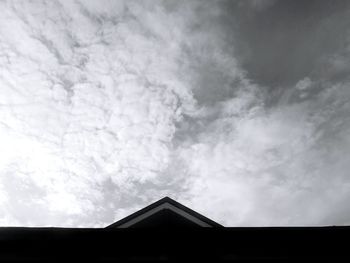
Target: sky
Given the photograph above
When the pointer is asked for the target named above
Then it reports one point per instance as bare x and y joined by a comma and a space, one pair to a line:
239, 109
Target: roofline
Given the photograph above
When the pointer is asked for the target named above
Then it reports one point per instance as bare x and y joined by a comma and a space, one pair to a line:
164, 200
228, 229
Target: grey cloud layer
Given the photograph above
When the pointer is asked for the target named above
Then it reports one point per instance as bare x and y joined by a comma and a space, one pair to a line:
108, 105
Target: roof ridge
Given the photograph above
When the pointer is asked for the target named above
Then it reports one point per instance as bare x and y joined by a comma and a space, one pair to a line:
189, 213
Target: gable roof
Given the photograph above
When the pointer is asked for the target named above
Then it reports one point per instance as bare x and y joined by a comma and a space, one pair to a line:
165, 203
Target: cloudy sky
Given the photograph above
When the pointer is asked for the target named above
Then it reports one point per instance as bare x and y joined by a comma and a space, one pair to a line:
239, 109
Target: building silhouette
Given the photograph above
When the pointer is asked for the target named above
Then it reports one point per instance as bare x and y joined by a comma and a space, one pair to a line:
169, 231
165, 213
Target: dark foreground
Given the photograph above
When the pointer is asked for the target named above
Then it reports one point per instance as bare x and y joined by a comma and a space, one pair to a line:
214, 244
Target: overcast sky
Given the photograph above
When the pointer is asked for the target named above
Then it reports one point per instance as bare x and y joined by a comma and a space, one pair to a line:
238, 109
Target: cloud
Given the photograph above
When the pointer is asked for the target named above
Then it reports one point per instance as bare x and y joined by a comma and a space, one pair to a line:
90, 96
260, 5
283, 165
106, 106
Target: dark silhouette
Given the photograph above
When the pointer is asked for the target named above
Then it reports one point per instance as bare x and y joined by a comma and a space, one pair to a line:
169, 231
165, 213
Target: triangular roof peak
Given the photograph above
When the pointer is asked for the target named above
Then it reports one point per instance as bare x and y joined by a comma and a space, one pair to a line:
165, 212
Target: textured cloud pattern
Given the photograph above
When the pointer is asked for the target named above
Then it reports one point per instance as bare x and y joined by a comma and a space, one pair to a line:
106, 106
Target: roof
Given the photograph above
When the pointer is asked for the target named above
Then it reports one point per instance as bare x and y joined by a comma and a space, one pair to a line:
165, 211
